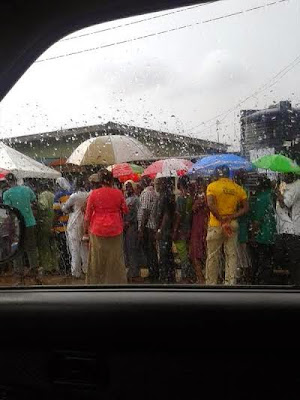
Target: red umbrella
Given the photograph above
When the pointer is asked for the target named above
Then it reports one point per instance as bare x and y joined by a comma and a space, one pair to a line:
168, 167
3, 174
126, 171
58, 162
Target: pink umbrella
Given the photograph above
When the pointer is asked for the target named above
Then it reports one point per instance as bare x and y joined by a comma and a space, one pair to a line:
167, 168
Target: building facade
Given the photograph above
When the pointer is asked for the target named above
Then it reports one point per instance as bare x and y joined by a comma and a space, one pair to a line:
272, 130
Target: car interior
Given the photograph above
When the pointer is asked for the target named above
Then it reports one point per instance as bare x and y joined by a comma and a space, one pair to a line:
134, 342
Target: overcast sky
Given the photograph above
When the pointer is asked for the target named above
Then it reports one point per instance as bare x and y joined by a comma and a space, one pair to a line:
179, 81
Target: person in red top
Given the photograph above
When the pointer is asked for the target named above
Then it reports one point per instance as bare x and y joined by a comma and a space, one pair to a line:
103, 228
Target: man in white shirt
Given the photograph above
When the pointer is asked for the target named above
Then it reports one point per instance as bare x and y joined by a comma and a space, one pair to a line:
75, 206
288, 226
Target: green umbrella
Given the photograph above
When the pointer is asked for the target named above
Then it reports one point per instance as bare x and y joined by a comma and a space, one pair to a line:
277, 163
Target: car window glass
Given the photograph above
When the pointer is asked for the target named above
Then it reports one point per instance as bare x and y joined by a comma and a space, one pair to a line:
159, 149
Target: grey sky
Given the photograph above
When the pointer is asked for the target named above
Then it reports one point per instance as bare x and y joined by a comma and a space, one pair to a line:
174, 81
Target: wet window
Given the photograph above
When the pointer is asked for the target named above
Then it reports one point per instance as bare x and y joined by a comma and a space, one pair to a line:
157, 149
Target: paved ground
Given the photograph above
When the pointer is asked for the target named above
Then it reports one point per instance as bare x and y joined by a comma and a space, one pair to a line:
11, 280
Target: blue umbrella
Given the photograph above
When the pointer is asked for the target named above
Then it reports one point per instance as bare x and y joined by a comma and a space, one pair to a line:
207, 165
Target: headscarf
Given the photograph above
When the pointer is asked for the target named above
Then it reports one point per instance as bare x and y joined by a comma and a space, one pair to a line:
63, 183
94, 178
132, 183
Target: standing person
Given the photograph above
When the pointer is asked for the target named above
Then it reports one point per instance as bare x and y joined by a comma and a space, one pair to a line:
45, 240
131, 248
138, 189
199, 230
147, 227
227, 201
288, 226
3, 187
263, 232
32, 184
165, 220
94, 182
60, 223
22, 198
240, 179
244, 258
104, 225
182, 229
7, 235
117, 184
75, 207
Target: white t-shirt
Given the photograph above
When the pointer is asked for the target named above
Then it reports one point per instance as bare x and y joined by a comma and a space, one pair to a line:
288, 219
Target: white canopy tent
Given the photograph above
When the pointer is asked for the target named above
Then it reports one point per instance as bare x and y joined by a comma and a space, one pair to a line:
23, 166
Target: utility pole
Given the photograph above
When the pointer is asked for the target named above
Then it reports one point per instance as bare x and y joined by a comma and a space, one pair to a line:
217, 128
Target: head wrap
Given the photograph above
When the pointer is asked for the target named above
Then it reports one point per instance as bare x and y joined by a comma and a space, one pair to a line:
63, 183
130, 181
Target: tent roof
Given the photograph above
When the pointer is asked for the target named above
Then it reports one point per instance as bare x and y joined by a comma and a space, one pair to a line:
23, 166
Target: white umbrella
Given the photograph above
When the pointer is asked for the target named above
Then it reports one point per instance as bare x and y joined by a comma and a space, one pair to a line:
107, 150
23, 166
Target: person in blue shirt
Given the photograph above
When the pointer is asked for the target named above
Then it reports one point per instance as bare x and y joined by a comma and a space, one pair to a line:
22, 198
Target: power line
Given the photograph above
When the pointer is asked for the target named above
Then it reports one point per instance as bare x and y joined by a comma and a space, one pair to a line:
159, 33
284, 71
136, 22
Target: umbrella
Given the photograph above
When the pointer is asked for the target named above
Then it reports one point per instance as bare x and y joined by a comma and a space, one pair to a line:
207, 165
167, 168
107, 150
3, 174
277, 163
58, 163
23, 166
125, 171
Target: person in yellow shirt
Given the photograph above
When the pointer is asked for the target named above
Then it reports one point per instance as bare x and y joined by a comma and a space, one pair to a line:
227, 201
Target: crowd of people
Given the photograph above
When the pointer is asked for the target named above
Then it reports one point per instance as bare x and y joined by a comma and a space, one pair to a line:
213, 230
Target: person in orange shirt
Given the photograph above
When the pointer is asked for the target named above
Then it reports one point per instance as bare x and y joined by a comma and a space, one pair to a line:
226, 201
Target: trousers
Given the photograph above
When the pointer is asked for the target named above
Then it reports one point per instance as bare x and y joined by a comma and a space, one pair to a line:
79, 251
187, 270
216, 239
149, 248
166, 260
262, 263
287, 255
30, 250
47, 249
64, 254
132, 251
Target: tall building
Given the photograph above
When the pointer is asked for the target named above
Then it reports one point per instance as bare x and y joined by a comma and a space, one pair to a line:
272, 130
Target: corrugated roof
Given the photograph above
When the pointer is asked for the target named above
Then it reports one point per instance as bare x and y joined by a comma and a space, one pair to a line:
114, 128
